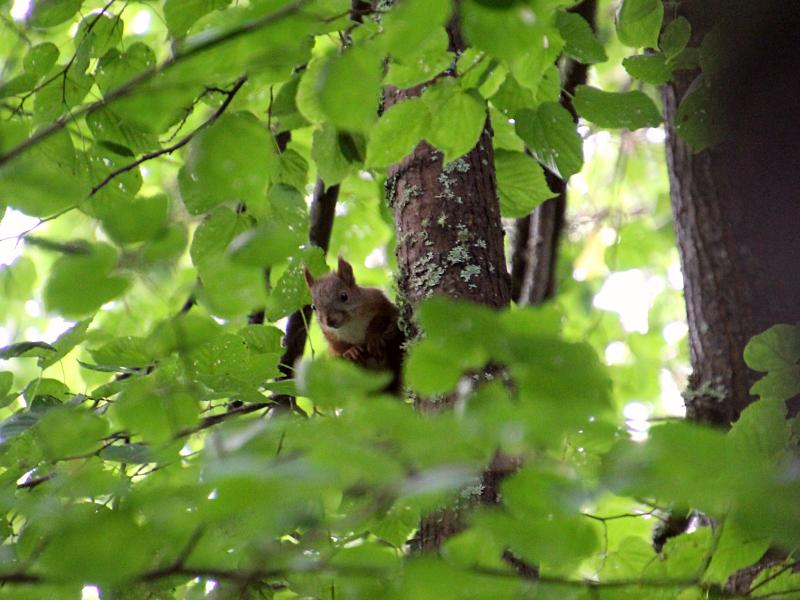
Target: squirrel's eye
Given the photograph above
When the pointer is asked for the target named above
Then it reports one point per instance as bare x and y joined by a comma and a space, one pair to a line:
343, 296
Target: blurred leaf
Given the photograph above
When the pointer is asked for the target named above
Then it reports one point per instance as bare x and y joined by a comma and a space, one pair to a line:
18, 278
734, 551
182, 14
65, 343
579, 38
229, 161
41, 58
397, 132
79, 285
115, 68
639, 23
629, 110
520, 183
675, 37
457, 118
100, 33
332, 163
136, 221
47, 13
20, 348
349, 88
46, 179
70, 431
776, 348
409, 25
650, 68
128, 351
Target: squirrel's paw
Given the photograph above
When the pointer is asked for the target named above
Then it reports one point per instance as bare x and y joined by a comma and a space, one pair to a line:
353, 353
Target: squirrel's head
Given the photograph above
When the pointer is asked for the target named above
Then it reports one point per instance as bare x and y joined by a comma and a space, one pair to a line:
336, 296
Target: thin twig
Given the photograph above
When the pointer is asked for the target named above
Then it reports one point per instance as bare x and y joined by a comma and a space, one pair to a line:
130, 86
179, 144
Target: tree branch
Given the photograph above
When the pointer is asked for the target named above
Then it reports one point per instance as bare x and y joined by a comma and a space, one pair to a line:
132, 84
321, 215
179, 144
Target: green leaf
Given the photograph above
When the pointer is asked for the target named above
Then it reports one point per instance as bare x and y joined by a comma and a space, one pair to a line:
65, 343
579, 38
332, 163
520, 183
137, 220
213, 235
409, 25
46, 179
761, 430
522, 28
349, 88
80, 284
629, 110
229, 161
777, 347
135, 454
292, 169
430, 59
457, 118
115, 68
6, 381
70, 431
551, 135
699, 120
99, 33
675, 37
109, 126
650, 68
96, 544
41, 58
182, 14
639, 23
230, 289
168, 245
263, 339
266, 245
331, 382
285, 113
21, 348
734, 550
226, 364
397, 132
18, 278
47, 13
128, 351
61, 94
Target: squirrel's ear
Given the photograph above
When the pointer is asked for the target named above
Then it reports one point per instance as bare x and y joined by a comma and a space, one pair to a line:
345, 272
309, 277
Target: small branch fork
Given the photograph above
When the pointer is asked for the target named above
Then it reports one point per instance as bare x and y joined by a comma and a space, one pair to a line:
177, 145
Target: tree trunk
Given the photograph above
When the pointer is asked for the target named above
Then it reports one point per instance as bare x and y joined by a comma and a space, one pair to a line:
735, 205
449, 241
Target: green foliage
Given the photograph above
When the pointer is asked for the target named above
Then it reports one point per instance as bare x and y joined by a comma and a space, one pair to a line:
144, 145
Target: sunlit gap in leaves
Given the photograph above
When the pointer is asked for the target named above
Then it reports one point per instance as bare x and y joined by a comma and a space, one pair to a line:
90, 592
13, 224
20, 9
140, 24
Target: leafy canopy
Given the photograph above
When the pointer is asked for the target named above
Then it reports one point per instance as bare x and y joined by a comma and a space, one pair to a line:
147, 143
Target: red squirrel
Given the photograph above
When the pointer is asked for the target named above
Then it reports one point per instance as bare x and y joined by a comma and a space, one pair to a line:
360, 323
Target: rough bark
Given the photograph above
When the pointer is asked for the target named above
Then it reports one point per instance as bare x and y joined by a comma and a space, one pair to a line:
735, 205
537, 236
449, 241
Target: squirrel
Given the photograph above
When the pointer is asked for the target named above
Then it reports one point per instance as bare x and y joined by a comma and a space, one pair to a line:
359, 323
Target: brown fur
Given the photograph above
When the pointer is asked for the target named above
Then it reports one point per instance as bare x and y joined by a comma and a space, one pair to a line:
359, 323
